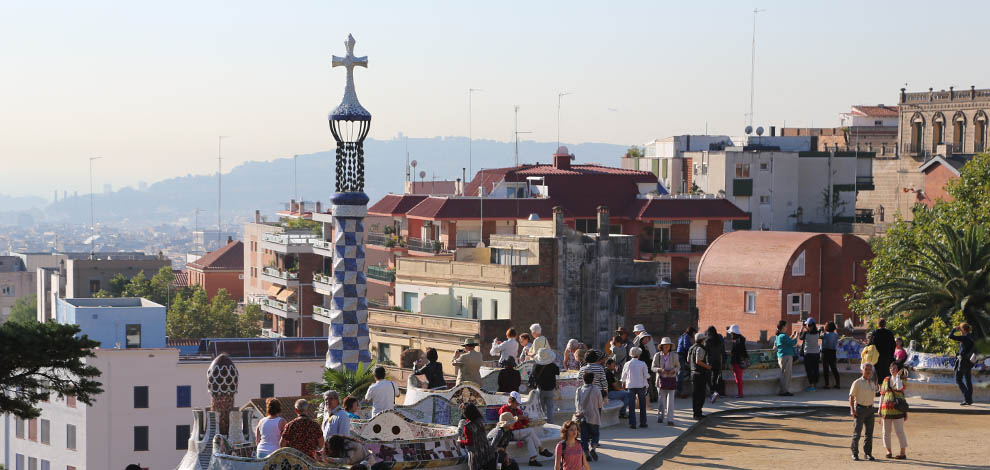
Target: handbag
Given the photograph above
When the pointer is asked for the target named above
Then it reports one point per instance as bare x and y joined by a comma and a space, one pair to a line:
901, 404
668, 383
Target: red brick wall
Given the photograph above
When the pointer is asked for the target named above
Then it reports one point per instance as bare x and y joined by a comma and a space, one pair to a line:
214, 281
679, 270
726, 305
714, 229
844, 257
935, 179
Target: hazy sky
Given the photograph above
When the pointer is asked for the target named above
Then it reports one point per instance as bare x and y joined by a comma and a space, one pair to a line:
150, 85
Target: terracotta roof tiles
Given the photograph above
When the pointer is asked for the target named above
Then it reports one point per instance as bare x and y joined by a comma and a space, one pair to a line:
750, 258
395, 204
876, 111
230, 257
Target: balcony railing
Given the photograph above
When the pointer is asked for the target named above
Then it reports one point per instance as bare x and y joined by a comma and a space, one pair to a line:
321, 314
322, 244
376, 238
280, 306
381, 273
684, 246
979, 147
289, 238
322, 278
425, 246
281, 274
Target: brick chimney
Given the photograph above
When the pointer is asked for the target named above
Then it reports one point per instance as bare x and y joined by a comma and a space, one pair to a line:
562, 159
292, 205
230, 239
257, 216
302, 206
603, 223
319, 207
558, 221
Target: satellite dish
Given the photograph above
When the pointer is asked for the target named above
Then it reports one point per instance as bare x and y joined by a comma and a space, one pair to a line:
422, 174
413, 163
749, 130
759, 130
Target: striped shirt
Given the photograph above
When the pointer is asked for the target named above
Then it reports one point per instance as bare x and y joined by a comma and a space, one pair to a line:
599, 372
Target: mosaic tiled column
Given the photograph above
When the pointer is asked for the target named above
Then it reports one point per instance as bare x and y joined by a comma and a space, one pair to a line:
349, 339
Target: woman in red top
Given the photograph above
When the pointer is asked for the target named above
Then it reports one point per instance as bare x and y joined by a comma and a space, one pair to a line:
522, 431
481, 454
568, 455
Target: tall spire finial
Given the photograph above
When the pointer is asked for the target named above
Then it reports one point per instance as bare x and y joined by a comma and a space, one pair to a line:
350, 108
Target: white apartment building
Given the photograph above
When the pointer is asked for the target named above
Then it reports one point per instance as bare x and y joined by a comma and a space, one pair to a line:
664, 158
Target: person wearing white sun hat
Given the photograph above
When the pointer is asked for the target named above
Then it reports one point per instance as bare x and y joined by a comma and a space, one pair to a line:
666, 365
738, 357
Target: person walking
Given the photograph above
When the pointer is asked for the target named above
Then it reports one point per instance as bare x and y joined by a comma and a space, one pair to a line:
588, 404
738, 358
830, 349
568, 455
509, 379
302, 433
666, 366
432, 370
507, 348
810, 344
268, 433
700, 368
964, 361
893, 410
481, 454
861, 396
715, 346
683, 345
382, 393
635, 377
883, 339
467, 362
544, 379
785, 357
615, 389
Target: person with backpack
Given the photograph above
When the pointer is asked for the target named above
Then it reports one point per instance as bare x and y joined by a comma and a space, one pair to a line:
700, 368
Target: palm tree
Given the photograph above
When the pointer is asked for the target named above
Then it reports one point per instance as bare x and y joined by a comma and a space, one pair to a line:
951, 273
346, 382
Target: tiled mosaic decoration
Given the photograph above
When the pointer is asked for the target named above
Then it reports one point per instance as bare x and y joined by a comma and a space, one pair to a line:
348, 339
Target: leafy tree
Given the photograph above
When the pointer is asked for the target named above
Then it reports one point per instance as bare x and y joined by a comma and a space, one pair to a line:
346, 382
307, 224
25, 310
194, 315
117, 285
161, 286
249, 322
906, 244
634, 152
40, 359
138, 286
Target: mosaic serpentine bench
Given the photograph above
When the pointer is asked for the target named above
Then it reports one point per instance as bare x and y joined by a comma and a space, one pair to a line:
439, 405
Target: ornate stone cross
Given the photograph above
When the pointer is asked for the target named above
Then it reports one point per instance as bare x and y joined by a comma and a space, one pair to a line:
349, 61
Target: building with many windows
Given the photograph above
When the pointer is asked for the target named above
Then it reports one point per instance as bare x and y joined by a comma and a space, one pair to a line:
220, 269
16, 282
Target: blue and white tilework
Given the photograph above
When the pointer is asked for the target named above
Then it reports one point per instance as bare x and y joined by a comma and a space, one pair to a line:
348, 338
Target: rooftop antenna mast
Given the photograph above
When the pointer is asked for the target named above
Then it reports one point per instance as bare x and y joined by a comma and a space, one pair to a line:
219, 192
516, 132
92, 222
470, 127
295, 177
560, 96
752, 67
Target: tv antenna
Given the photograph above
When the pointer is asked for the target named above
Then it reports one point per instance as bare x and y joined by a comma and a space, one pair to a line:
516, 132
752, 67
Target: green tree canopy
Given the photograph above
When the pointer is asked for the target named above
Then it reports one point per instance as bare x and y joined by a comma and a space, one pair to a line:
40, 359
25, 310
634, 152
194, 315
920, 253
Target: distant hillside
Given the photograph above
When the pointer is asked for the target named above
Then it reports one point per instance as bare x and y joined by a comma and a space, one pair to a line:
20, 203
266, 185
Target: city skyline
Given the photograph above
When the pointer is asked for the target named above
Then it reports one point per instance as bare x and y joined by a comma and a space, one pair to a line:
151, 89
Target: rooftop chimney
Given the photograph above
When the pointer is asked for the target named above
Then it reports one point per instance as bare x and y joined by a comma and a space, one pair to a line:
602, 223
257, 216
773, 131
292, 205
558, 221
319, 207
562, 159
230, 239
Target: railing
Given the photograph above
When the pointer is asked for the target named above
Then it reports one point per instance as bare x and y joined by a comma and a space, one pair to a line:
288, 238
684, 246
322, 278
978, 147
381, 273
864, 216
284, 275
467, 241
375, 238
322, 244
425, 246
320, 313
281, 306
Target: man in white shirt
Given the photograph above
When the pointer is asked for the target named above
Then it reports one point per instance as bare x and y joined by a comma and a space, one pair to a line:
636, 376
382, 393
507, 348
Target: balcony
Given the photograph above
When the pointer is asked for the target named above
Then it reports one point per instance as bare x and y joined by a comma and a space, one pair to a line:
864, 183
322, 247
282, 309
322, 284
683, 246
292, 242
280, 276
864, 216
453, 271
321, 314
425, 246
381, 273
376, 238
415, 321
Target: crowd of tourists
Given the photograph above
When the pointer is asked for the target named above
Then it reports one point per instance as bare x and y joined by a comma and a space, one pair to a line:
633, 372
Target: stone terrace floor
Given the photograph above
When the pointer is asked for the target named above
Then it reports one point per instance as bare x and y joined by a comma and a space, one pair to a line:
624, 449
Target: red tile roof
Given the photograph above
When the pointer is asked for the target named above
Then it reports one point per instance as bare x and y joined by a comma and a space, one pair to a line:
230, 257
489, 177
395, 204
447, 208
586, 170
684, 209
751, 258
876, 111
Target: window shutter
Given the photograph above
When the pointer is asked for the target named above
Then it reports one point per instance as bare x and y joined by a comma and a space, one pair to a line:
806, 305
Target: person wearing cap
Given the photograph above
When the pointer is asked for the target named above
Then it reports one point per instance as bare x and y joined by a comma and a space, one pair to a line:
666, 366
382, 393
509, 378
594, 363
683, 345
539, 341
636, 376
784, 345
467, 362
738, 357
507, 348
501, 436
588, 404
700, 368
521, 430
544, 380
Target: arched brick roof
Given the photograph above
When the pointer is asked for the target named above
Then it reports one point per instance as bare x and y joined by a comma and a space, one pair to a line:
750, 258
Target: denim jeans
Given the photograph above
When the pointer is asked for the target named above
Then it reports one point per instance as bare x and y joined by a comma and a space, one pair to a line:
964, 378
635, 393
624, 397
589, 436
683, 373
547, 404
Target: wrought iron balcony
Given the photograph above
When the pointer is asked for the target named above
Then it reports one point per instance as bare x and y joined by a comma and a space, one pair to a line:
381, 273
424, 246
376, 238
698, 245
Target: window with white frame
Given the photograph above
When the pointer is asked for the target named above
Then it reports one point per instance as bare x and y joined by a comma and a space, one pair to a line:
750, 302
794, 304
765, 199
797, 269
664, 270
742, 170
